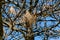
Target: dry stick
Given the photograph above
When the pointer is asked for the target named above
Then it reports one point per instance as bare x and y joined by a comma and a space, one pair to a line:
55, 9
8, 25
11, 21
56, 4
45, 29
20, 11
51, 27
19, 14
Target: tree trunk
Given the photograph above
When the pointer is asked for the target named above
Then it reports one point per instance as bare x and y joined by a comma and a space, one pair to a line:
29, 38
1, 26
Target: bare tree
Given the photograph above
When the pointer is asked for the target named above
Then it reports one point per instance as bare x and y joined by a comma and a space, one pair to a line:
23, 16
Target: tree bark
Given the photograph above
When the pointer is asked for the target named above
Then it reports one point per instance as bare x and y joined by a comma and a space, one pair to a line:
1, 26
29, 38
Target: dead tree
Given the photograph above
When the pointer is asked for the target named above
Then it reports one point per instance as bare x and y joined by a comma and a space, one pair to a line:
26, 17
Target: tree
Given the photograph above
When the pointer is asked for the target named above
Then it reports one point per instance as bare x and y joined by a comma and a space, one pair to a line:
1, 26
23, 16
